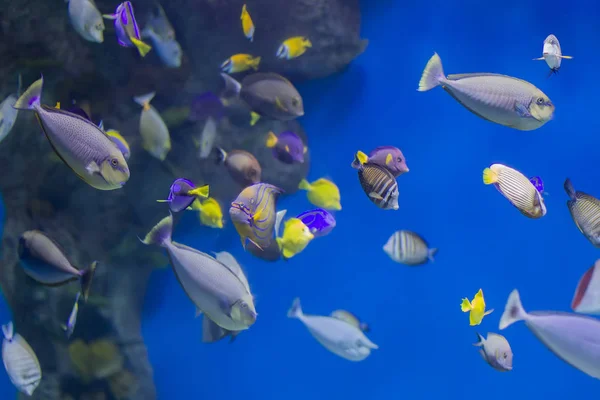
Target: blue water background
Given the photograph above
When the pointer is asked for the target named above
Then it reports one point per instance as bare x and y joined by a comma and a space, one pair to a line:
425, 340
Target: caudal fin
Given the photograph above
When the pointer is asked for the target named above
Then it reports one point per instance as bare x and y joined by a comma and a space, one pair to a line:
145, 99
360, 158
86, 280
8, 331
431, 253
220, 155
433, 74
568, 185
31, 98
231, 85
296, 310
513, 311
211, 332
161, 234
480, 340
304, 185
278, 218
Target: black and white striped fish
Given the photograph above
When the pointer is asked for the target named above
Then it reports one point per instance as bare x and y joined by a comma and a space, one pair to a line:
517, 188
585, 211
409, 248
378, 183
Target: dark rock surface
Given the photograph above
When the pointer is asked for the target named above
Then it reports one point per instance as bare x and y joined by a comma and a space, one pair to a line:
42, 193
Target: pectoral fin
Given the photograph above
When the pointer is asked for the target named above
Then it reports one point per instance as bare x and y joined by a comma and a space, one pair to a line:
92, 168
522, 110
375, 195
488, 312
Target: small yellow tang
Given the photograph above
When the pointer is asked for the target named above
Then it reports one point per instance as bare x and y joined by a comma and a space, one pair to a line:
247, 24
475, 308
322, 193
209, 212
296, 236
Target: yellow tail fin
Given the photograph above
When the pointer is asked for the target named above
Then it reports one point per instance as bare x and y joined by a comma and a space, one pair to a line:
271, 140
255, 117
201, 191
489, 176
304, 185
465, 305
142, 47
255, 63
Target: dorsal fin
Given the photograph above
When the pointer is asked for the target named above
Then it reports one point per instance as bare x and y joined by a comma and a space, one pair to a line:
261, 76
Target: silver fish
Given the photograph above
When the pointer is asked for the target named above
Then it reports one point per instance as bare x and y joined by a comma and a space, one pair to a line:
20, 361
586, 299
8, 114
43, 260
573, 338
585, 211
80, 144
552, 54
207, 138
408, 248
69, 327
517, 189
336, 335
497, 98
169, 50
87, 20
496, 351
156, 139
213, 287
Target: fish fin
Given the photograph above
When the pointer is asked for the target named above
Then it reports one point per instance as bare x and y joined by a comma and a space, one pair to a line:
539, 59
388, 159
480, 340
143, 48
433, 74
87, 277
92, 168
109, 16
19, 84
196, 205
231, 84
278, 218
271, 140
431, 253
375, 195
279, 105
31, 98
296, 310
161, 234
479, 294
488, 312
198, 312
163, 201
361, 157
253, 242
255, 63
220, 155
567, 57
201, 191
304, 185
211, 332
101, 125
522, 110
304, 149
8, 331
465, 306
489, 176
63, 327
307, 42
568, 185
287, 148
513, 311
144, 100
254, 117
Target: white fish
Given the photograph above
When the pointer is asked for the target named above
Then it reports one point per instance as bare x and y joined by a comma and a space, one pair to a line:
87, 20
8, 114
409, 248
338, 336
69, 327
496, 351
207, 138
156, 139
586, 299
552, 54
169, 50
20, 361
497, 98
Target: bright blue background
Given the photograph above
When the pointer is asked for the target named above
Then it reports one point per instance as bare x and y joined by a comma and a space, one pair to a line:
425, 340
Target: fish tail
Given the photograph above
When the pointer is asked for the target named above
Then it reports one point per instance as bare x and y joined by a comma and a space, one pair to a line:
211, 332
145, 99
278, 218
431, 253
231, 85
196, 205
161, 233
143, 48
8, 331
307, 42
254, 117
480, 340
271, 140
296, 310
201, 191
86, 280
360, 158
489, 176
255, 63
31, 98
304, 185
570, 189
513, 311
465, 306
220, 155
433, 74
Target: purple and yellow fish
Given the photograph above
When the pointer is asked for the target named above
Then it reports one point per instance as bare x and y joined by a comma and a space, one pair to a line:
287, 147
128, 33
319, 221
388, 157
182, 194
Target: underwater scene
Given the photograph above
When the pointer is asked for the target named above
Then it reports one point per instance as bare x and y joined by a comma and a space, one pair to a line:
268, 199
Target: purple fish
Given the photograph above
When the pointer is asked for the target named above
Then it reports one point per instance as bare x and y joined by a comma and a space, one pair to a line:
538, 183
126, 27
287, 147
319, 221
388, 157
206, 105
182, 194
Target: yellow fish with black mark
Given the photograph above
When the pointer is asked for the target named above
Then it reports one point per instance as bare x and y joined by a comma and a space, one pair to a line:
209, 212
240, 63
322, 193
296, 236
247, 24
475, 308
293, 47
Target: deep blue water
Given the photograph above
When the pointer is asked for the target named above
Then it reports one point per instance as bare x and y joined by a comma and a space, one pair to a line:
424, 339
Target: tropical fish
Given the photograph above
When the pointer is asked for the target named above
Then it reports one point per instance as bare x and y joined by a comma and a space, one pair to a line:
409, 248
336, 335
242, 166
475, 308
267, 94
207, 138
573, 338
296, 236
87, 20
538, 183
217, 291
79, 143
8, 114
157, 18
388, 157
44, 261
240, 63
378, 183
322, 193
126, 27
253, 214
552, 54
293, 47
206, 105
120, 142
586, 299
20, 361
496, 98
320, 222
69, 327
496, 351
352, 319
247, 24
209, 212
585, 211
517, 189
271, 253
161, 32
156, 139
182, 194
287, 147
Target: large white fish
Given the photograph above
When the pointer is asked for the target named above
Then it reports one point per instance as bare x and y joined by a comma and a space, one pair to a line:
586, 299
87, 20
8, 114
215, 289
156, 139
552, 54
336, 335
497, 98
20, 361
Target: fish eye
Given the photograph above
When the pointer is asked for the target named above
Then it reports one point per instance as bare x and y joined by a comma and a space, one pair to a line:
244, 305
114, 162
399, 159
295, 101
99, 27
540, 100
505, 355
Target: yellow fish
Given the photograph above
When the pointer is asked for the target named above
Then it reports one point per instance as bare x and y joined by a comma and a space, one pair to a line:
240, 63
296, 236
209, 212
247, 24
322, 193
476, 308
293, 47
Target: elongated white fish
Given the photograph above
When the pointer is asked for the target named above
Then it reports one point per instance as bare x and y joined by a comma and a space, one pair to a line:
215, 289
497, 98
552, 54
156, 139
586, 299
336, 335
8, 114
585, 211
69, 327
20, 361
207, 138
406, 247
87, 20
